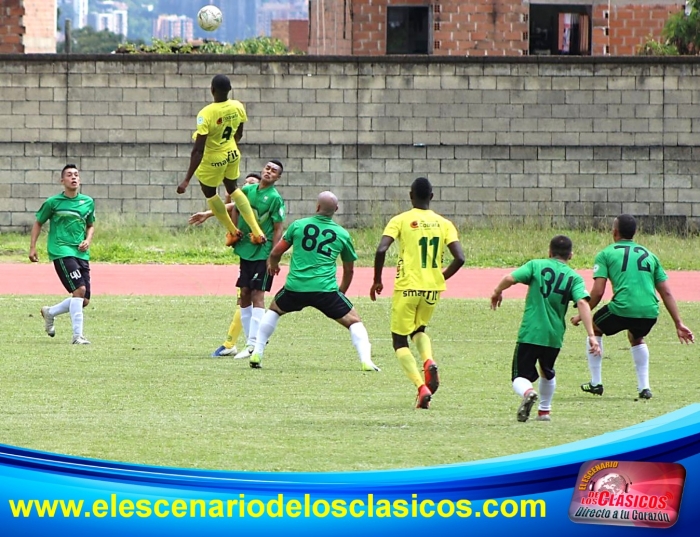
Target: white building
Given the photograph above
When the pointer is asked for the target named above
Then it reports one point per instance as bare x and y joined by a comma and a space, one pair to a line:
80, 13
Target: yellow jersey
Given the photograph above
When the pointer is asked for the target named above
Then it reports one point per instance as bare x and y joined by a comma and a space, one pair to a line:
220, 121
422, 236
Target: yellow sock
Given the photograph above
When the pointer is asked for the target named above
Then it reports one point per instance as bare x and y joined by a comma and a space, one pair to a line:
219, 209
423, 345
408, 364
246, 211
234, 330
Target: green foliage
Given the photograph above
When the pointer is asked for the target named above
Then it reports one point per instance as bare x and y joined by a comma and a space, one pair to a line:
652, 47
158, 46
256, 45
146, 390
87, 40
683, 31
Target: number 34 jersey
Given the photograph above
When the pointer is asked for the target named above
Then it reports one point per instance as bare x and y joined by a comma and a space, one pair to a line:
422, 235
552, 285
317, 242
633, 272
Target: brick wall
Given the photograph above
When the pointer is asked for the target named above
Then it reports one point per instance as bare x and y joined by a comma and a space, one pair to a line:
331, 27
11, 26
294, 33
40, 26
567, 139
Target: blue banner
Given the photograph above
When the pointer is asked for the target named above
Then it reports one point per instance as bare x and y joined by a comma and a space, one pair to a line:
49, 494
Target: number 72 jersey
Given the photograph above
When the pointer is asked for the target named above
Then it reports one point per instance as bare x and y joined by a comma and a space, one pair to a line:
633, 272
422, 236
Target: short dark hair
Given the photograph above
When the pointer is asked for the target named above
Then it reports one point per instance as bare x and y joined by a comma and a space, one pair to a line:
422, 189
278, 163
68, 167
221, 83
254, 174
626, 226
561, 246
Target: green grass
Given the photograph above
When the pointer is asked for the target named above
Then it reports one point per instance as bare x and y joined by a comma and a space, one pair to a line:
146, 391
120, 239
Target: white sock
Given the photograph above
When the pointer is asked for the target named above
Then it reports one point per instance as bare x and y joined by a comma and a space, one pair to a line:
254, 324
61, 307
547, 388
76, 315
246, 314
360, 339
640, 355
266, 327
595, 363
521, 385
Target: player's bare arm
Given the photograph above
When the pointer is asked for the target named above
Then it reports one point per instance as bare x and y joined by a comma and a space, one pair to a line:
379, 258
277, 231
584, 312
497, 296
596, 296
89, 232
199, 218
239, 133
36, 230
458, 260
348, 273
195, 160
273, 262
683, 332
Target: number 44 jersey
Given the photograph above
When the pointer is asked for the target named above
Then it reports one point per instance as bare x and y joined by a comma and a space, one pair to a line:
317, 242
633, 272
552, 285
422, 235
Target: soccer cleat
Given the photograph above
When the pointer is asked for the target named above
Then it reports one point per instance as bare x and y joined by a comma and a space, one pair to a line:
224, 351
595, 389
80, 340
262, 239
526, 406
233, 238
245, 353
369, 366
543, 415
432, 380
424, 397
255, 362
645, 394
48, 321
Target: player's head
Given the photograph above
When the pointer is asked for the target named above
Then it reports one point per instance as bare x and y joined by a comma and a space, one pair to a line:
272, 171
253, 178
561, 247
421, 192
220, 87
327, 203
70, 177
624, 227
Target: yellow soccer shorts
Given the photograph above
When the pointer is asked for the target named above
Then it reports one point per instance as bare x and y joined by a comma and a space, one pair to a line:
216, 167
411, 309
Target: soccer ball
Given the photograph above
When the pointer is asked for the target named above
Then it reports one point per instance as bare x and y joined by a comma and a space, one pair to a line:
209, 18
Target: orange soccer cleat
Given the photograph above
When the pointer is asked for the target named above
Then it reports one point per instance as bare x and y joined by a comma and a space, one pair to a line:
262, 239
233, 238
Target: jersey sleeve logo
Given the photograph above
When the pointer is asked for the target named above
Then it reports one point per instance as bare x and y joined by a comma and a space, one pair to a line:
595, 268
200, 120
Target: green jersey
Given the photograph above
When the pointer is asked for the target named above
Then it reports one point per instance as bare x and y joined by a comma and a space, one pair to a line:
69, 220
268, 208
317, 242
633, 272
552, 285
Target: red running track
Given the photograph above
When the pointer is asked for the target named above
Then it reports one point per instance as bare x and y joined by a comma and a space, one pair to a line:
194, 280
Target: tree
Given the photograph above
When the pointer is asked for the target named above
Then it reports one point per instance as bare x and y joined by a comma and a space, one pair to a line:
682, 29
88, 41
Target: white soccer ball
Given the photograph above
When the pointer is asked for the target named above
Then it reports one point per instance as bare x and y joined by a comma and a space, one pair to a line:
209, 18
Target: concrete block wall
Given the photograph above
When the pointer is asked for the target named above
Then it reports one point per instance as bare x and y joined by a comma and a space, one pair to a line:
567, 139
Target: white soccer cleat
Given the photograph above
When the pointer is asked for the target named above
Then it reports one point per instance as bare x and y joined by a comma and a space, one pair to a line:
80, 340
245, 353
223, 351
48, 321
369, 366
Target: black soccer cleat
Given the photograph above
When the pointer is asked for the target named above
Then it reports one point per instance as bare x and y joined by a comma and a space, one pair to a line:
645, 394
526, 406
592, 388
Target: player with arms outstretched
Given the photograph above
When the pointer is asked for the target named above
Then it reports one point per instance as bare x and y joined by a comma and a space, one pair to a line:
215, 159
423, 236
636, 275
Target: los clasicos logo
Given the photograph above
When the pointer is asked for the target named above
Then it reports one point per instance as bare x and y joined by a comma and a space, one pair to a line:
628, 493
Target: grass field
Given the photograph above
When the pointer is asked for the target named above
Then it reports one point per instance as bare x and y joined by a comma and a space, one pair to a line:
498, 244
146, 391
